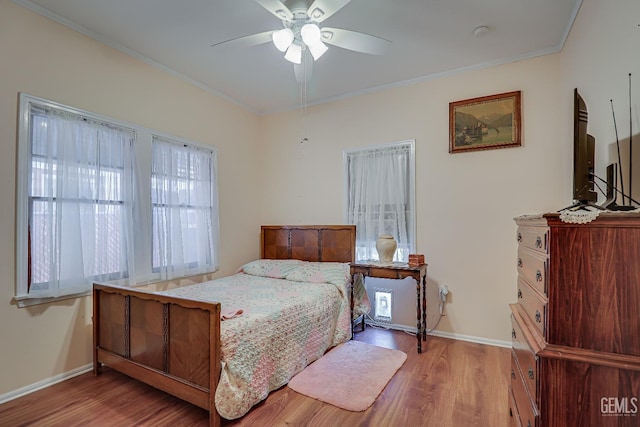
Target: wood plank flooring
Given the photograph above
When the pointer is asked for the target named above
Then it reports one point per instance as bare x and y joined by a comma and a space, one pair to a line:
452, 383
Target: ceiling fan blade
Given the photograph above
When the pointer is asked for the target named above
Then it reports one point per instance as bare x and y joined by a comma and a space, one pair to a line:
247, 41
353, 40
303, 71
322, 9
277, 8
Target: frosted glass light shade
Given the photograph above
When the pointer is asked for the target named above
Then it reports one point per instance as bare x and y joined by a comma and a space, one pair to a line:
317, 50
294, 54
310, 34
282, 39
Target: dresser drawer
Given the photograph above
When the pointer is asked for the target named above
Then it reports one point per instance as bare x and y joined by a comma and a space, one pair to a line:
527, 410
527, 360
513, 410
533, 267
536, 238
534, 305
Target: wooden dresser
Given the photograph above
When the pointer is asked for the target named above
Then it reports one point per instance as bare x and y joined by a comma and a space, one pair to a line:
576, 324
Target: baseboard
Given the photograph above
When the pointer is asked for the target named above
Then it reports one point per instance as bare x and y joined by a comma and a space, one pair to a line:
44, 383
460, 337
471, 338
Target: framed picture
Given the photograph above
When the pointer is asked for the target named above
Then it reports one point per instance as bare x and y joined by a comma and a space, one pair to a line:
485, 123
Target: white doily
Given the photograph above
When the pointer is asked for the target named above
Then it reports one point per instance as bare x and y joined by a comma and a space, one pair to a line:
581, 215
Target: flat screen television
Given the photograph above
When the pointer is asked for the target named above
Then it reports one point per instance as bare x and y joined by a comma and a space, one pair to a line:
583, 155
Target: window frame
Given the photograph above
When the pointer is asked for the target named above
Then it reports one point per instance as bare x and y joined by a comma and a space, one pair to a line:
213, 208
141, 205
411, 191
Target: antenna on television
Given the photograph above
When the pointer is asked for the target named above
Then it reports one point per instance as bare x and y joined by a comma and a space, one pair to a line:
612, 174
630, 143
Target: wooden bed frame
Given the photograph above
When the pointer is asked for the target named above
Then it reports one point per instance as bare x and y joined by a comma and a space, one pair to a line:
173, 344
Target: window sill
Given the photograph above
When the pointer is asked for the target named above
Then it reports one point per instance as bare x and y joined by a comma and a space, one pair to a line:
24, 301
153, 284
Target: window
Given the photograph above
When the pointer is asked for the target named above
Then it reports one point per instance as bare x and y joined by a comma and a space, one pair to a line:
183, 200
380, 197
82, 181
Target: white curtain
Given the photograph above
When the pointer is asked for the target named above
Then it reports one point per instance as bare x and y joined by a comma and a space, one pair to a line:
80, 198
380, 198
184, 202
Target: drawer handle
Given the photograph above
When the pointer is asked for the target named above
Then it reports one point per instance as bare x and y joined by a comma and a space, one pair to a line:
538, 242
538, 276
538, 316
520, 262
519, 237
530, 373
519, 294
513, 375
513, 334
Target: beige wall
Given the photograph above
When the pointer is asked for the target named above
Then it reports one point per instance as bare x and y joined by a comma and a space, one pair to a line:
465, 202
45, 59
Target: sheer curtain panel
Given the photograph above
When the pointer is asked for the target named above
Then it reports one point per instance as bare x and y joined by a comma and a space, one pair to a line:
184, 203
380, 197
79, 185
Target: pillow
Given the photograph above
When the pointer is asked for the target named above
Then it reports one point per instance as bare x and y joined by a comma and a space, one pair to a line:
274, 268
336, 273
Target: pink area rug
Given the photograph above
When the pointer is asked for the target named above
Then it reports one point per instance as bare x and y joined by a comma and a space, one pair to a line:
351, 376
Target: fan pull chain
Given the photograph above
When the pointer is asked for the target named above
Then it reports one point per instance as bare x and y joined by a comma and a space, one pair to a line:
303, 101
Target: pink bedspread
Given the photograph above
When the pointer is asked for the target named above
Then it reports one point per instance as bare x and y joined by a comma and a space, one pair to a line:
284, 326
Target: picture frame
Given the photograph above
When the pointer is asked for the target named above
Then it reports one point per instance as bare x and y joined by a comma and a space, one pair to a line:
485, 123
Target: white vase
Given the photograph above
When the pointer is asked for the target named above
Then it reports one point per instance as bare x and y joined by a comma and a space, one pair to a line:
386, 246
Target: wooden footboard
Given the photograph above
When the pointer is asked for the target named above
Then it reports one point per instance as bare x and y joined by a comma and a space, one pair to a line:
169, 343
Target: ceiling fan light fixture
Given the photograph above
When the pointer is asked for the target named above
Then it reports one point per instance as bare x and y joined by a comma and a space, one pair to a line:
317, 50
294, 54
282, 39
310, 34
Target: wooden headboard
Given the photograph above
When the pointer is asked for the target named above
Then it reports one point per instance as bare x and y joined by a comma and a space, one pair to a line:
328, 243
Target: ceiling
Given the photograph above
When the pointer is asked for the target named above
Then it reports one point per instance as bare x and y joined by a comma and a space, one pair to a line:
430, 38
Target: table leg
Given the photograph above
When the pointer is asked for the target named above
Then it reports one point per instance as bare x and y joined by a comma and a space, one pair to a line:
419, 328
351, 302
424, 308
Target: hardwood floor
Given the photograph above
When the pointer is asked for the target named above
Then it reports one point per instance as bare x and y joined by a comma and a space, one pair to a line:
452, 383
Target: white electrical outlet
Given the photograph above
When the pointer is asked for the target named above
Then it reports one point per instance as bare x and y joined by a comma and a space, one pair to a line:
444, 291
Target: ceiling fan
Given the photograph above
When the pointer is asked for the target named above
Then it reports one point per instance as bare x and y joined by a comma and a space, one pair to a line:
302, 40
